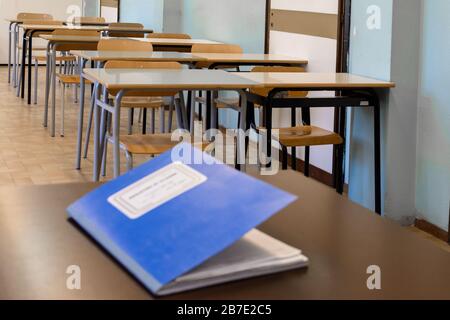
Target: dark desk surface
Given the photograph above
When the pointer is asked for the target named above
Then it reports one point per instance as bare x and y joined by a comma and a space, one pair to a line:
37, 244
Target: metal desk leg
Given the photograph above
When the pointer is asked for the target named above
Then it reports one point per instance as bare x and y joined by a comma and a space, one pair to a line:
96, 171
9, 51
377, 153
47, 84
22, 69
241, 136
208, 110
30, 59
268, 125
81, 63
116, 133
184, 117
15, 40
341, 152
53, 80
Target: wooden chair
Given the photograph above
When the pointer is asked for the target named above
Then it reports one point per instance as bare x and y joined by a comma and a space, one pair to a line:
214, 48
168, 36
124, 26
22, 16
19, 48
126, 45
295, 136
70, 77
88, 20
211, 48
153, 144
65, 60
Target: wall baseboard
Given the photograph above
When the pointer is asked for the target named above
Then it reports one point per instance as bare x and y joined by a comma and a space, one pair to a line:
315, 173
432, 229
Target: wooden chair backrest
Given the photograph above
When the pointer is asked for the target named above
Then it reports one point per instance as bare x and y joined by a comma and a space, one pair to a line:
79, 46
122, 25
78, 20
169, 36
114, 64
75, 32
124, 45
265, 92
42, 23
34, 16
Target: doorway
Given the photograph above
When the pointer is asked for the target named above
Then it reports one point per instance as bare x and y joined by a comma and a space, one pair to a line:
109, 9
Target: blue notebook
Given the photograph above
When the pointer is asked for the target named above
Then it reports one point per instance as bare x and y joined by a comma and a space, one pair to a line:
167, 218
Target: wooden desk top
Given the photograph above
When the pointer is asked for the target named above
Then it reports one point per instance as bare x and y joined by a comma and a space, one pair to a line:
64, 38
82, 27
313, 80
61, 27
137, 56
175, 42
38, 243
167, 79
251, 58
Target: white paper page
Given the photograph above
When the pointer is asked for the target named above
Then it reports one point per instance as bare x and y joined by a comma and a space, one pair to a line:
254, 250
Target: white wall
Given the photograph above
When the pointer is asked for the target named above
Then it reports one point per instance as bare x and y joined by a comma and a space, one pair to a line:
10, 8
370, 55
433, 134
321, 53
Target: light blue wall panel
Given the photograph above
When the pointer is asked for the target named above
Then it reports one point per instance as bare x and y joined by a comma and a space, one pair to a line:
433, 147
370, 55
148, 12
232, 21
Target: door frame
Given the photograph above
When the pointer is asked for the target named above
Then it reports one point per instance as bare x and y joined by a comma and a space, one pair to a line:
118, 9
342, 51
343, 38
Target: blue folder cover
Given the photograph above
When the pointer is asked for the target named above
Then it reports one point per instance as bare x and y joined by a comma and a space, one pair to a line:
182, 233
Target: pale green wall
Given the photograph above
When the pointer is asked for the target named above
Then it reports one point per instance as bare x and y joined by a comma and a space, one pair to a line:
91, 8
370, 55
433, 147
148, 12
232, 21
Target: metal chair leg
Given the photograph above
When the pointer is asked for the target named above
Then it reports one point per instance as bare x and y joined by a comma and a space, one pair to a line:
170, 117
307, 157
284, 157
129, 158
105, 155
162, 119
19, 80
63, 95
36, 79
89, 128
153, 122
130, 121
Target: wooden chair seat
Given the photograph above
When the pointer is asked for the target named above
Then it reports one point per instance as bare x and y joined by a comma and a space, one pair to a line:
70, 79
306, 136
153, 144
141, 102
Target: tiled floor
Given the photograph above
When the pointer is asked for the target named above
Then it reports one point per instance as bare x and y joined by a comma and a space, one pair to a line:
29, 156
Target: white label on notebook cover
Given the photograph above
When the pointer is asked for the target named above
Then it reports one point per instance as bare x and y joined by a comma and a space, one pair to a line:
156, 189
